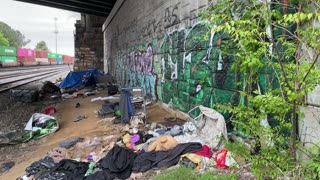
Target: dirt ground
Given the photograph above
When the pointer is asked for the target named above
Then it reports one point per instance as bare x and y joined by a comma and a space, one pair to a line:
25, 154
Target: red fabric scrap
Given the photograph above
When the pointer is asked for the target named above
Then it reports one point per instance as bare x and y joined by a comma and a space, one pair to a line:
205, 151
220, 159
50, 110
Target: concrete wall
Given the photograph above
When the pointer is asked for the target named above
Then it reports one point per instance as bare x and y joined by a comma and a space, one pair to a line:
159, 45
309, 128
89, 43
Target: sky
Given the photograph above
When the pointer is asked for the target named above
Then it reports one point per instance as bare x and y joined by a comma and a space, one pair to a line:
36, 23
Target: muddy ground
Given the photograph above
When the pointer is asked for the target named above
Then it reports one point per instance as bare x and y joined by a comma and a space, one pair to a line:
14, 115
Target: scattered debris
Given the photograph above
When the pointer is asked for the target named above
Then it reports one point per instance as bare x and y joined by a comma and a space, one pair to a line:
67, 96
77, 105
38, 126
108, 108
54, 96
107, 119
79, 118
105, 98
135, 176
38, 168
224, 159
69, 143
49, 87
59, 79
135, 121
58, 154
26, 96
50, 110
163, 143
6, 166
153, 125
112, 90
89, 93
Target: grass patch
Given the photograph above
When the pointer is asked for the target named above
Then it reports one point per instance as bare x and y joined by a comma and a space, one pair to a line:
183, 173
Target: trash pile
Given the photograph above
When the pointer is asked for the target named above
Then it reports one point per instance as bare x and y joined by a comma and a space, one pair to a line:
197, 144
39, 126
68, 88
92, 81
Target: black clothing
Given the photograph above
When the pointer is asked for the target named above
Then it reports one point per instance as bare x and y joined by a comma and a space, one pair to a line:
159, 159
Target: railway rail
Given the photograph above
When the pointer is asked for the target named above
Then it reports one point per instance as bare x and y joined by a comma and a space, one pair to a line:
11, 74
13, 79
6, 69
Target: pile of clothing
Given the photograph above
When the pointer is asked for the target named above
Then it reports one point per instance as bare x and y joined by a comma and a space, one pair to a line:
136, 151
119, 163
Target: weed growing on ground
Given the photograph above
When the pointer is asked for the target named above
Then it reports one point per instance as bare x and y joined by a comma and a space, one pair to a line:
184, 173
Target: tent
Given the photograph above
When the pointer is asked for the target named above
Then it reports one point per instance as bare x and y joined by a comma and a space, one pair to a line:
80, 78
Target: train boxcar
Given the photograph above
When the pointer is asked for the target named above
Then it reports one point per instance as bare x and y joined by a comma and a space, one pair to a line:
23, 52
59, 59
8, 56
26, 57
67, 59
42, 57
8, 51
52, 58
52, 61
52, 55
8, 61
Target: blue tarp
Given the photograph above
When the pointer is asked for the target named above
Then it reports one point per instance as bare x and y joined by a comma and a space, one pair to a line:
80, 78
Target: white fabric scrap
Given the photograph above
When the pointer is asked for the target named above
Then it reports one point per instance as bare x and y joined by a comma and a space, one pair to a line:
189, 127
104, 98
230, 160
211, 127
189, 138
39, 118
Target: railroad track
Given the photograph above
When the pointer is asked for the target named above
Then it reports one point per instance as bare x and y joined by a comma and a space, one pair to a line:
11, 74
11, 80
6, 69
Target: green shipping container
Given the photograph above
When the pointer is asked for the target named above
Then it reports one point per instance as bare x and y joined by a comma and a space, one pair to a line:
8, 51
8, 59
53, 55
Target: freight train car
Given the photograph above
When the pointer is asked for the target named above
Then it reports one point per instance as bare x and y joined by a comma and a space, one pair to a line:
67, 59
26, 57
52, 58
8, 56
42, 57
11, 56
59, 59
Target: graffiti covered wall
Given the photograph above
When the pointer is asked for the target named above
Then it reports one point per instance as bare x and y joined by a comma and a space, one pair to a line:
164, 47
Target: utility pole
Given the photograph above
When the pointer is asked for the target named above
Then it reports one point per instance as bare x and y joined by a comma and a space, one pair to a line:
56, 32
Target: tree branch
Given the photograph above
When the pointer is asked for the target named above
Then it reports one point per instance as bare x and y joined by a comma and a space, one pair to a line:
308, 72
284, 73
296, 37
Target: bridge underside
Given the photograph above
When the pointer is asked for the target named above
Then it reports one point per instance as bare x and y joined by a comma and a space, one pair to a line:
93, 7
